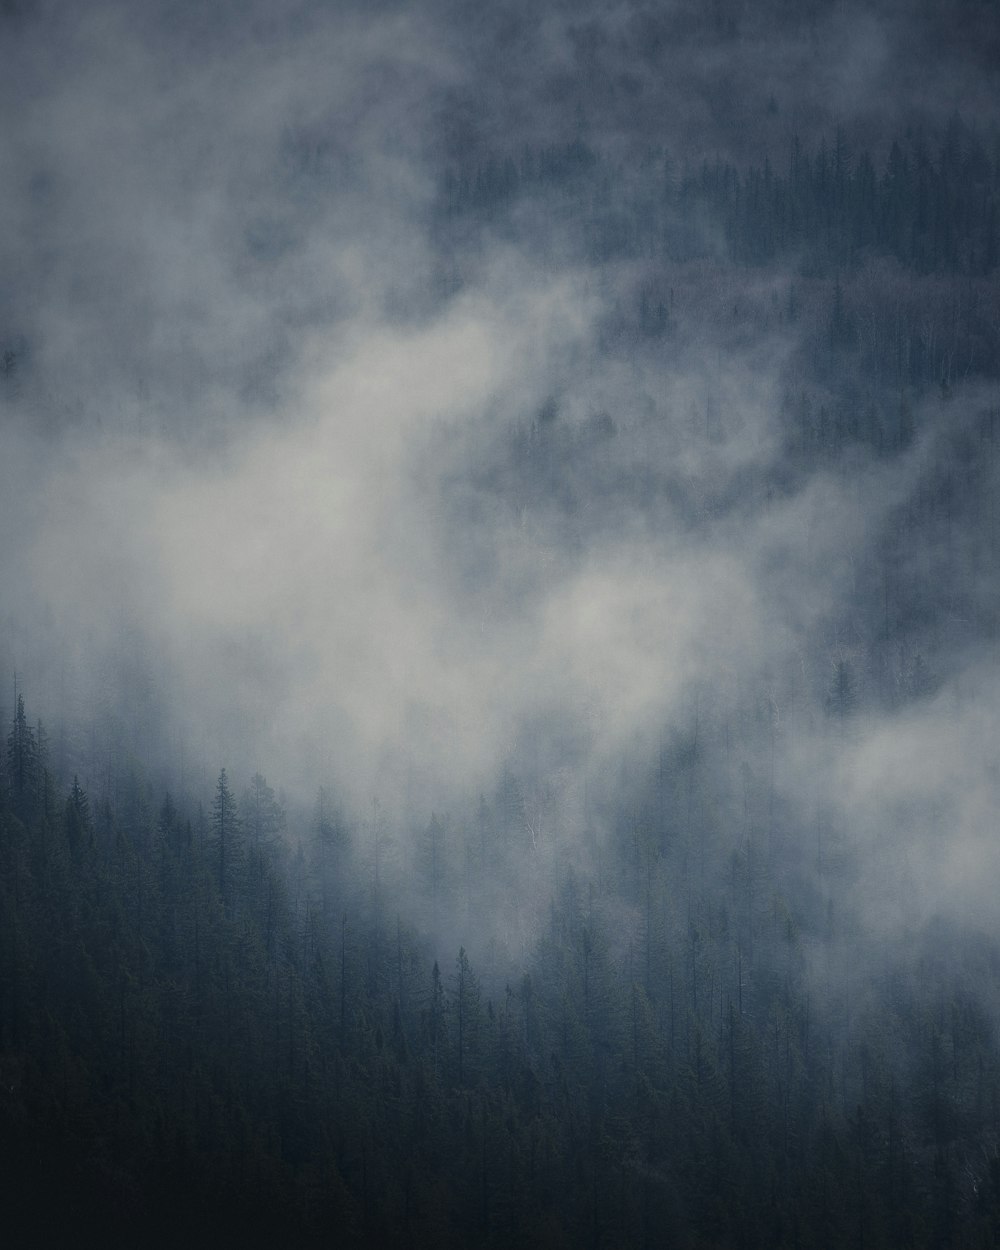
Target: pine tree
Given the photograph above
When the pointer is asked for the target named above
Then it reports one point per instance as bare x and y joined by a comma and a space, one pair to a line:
465, 1007
77, 818
225, 826
22, 762
262, 812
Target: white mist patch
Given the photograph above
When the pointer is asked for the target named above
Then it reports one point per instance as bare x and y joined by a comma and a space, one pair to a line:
919, 794
630, 638
294, 580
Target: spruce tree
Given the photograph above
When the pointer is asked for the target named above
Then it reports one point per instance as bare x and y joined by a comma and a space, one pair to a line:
225, 826
22, 762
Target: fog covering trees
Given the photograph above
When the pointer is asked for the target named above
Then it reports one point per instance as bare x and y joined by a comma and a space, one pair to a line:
498, 522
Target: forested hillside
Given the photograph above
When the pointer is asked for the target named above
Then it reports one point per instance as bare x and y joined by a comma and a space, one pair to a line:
498, 538
217, 1029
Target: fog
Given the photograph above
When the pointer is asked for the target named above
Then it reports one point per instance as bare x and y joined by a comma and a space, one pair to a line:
304, 472
518, 481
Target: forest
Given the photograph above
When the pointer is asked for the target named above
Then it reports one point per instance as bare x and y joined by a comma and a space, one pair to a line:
499, 626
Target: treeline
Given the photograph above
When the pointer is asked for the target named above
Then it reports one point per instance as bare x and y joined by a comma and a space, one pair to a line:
218, 1029
934, 207
884, 264
934, 211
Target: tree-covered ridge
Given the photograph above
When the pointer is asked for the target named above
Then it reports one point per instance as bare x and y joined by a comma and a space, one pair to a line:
933, 206
216, 1028
878, 265
498, 518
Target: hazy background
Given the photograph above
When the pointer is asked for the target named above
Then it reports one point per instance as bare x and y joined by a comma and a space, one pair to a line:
303, 469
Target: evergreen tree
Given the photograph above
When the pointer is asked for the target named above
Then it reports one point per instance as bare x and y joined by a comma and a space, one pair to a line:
77, 822
225, 828
22, 763
465, 1014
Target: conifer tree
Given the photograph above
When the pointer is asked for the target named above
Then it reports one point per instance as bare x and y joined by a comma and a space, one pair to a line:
77, 819
22, 762
224, 830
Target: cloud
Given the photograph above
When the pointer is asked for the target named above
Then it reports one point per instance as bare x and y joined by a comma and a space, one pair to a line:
919, 794
344, 488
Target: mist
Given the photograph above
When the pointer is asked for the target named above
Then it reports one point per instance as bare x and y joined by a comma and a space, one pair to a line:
560, 439
309, 471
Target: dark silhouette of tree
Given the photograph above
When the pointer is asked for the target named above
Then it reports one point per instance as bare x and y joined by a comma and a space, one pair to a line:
77, 818
22, 763
225, 826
